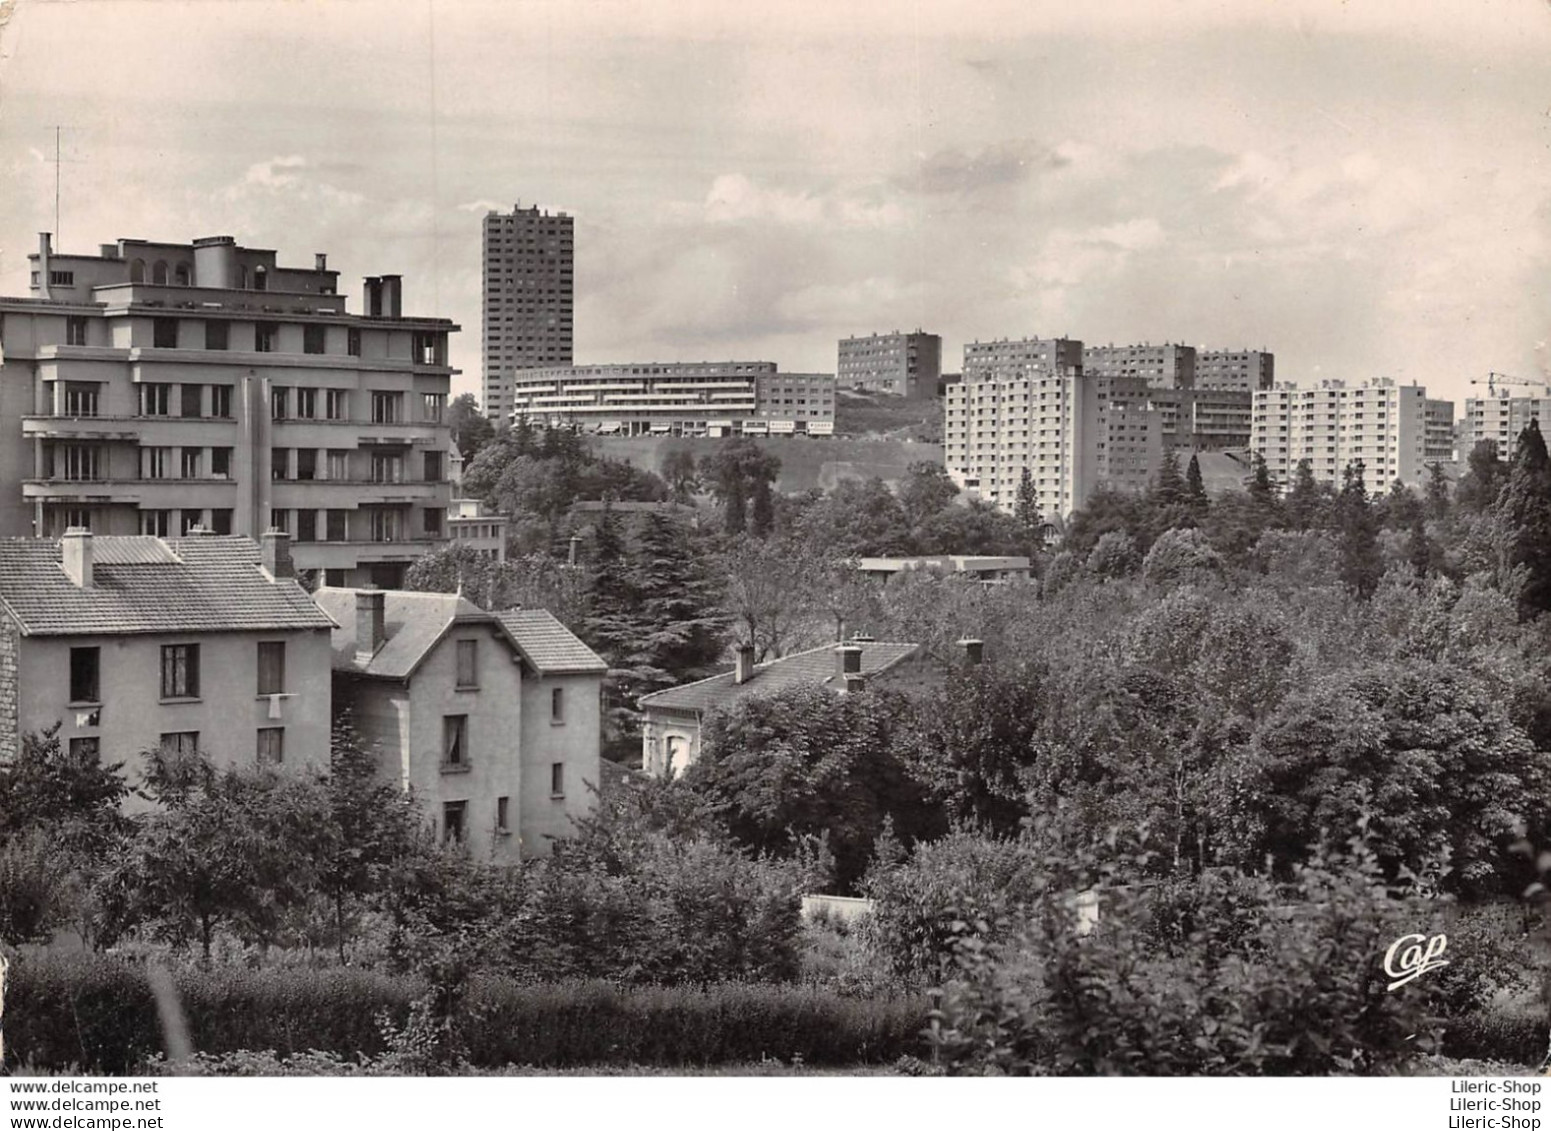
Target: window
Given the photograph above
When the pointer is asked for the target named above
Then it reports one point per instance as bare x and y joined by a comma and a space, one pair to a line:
385, 526
182, 743
77, 462
557, 705
85, 749
335, 578
61, 278
433, 405
433, 467
218, 335
427, 348
271, 746
191, 462
81, 398
265, 336
221, 520
306, 463
387, 469
280, 519
221, 463
279, 403
338, 526
271, 667
307, 526
338, 404
180, 669
164, 333
221, 400
339, 464
385, 408
452, 820
191, 400
312, 338
307, 404
433, 521
75, 330
502, 826
84, 669
455, 742
279, 463
156, 523
468, 663
155, 400
353, 342
557, 779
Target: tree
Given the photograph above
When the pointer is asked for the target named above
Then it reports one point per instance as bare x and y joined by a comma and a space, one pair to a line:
1170, 488
859, 518
926, 491
679, 626
1195, 489
471, 428
1026, 510
1306, 501
1419, 549
681, 473
1437, 499
735, 471
1483, 480
768, 596
1523, 511
1361, 564
1261, 489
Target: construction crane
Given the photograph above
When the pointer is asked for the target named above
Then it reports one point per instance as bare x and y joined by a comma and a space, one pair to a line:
1494, 379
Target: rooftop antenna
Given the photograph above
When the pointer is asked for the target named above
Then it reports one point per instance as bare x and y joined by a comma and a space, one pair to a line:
58, 165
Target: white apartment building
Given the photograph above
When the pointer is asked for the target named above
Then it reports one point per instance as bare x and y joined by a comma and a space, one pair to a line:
1500, 417
1380, 423
703, 398
1027, 404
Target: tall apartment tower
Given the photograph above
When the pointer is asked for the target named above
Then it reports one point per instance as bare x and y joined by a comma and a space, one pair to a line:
1029, 405
1381, 423
157, 387
907, 365
1245, 371
1500, 417
530, 262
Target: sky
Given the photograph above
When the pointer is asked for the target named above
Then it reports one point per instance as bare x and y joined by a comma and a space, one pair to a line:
1363, 188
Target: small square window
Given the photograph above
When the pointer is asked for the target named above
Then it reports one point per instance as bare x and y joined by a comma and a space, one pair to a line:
271, 746
87, 748
180, 671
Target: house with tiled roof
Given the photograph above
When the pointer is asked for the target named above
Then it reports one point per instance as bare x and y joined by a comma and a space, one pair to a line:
493, 721
670, 730
134, 642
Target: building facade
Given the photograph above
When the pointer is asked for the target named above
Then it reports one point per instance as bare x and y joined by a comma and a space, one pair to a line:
906, 365
469, 525
201, 644
1380, 423
1438, 446
678, 398
154, 388
1029, 405
1166, 366
1244, 370
491, 721
529, 284
1500, 417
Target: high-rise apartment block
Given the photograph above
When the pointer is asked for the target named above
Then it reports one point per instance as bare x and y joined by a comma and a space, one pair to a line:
1439, 444
1500, 417
1165, 366
1380, 423
158, 387
1244, 370
679, 398
1029, 405
529, 278
908, 365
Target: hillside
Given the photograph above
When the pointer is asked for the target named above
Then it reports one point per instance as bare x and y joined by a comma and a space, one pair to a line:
885, 416
805, 463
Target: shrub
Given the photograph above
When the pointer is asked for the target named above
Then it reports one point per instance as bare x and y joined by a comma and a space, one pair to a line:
1178, 556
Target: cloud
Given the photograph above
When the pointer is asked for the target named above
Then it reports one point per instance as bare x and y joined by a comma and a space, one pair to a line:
276, 173
1001, 165
482, 206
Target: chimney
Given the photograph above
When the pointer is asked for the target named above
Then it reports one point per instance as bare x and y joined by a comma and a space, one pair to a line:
393, 296
371, 306
855, 681
848, 660
45, 255
370, 623
575, 541
974, 651
75, 554
320, 261
275, 553
743, 670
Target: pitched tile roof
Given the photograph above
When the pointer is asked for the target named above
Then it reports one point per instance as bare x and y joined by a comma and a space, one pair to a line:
549, 645
414, 622
816, 665
141, 584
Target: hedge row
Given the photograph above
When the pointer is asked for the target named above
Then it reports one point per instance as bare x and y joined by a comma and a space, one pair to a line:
1512, 1037
99, 1015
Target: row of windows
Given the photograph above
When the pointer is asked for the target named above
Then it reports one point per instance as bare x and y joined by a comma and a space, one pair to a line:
269, 745
385, 524
180, 670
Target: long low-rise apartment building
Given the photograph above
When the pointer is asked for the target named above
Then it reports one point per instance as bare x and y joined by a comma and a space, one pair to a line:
158, 387
703, 398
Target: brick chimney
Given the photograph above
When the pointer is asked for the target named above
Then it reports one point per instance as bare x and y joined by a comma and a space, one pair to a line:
848, 660
370, 623
974, 651
75, 554
275, 553
743, 669
855, 681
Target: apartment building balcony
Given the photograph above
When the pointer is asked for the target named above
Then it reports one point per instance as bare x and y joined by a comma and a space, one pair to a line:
345, 494
49, 427
302, 432
150, 494
358, 552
